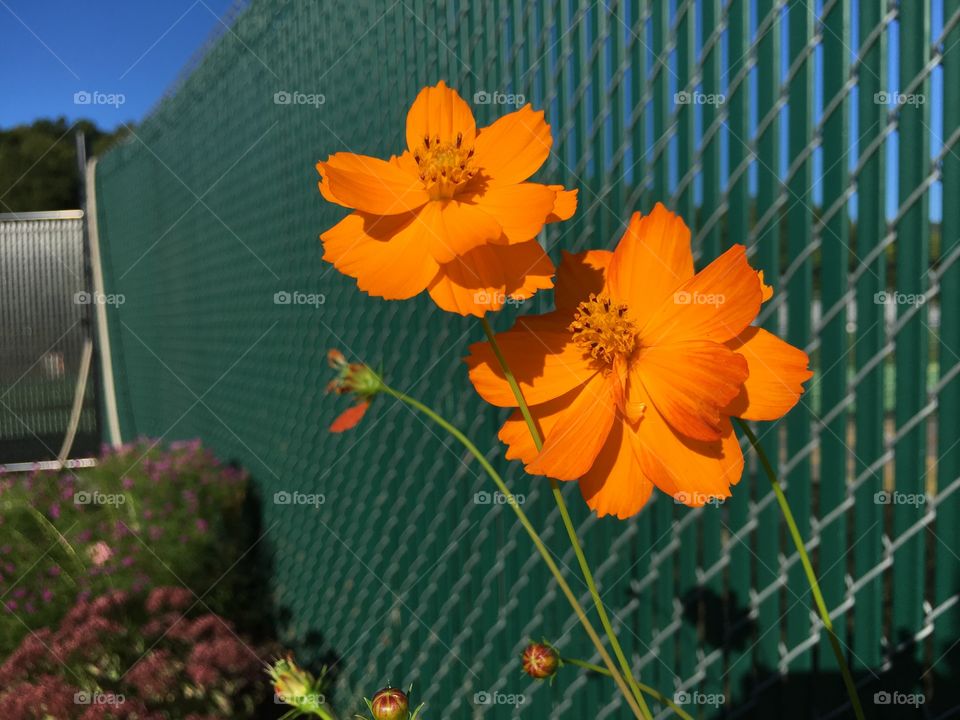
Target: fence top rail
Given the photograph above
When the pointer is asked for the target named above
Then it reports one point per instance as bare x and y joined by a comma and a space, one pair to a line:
42, 215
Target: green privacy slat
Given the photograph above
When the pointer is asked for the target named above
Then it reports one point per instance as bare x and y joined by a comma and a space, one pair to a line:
639, 150
948, 465
871, 227
711, 522
834, 357
599, 28
738, 224
766, 542
619, 32
661, 75
638, 200
912, 339
686, 52
684, 205
664, 508
800, 297
710, 144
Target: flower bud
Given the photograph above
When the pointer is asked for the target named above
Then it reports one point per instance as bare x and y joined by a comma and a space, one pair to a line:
352, 379
296, 687
390, 704
289, 678
540, 661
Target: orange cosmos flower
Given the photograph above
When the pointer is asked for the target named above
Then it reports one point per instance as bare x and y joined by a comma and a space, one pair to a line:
453, 213
633, 379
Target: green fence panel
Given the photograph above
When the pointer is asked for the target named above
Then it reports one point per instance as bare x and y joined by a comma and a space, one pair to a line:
764, 122
869, 271
833, 228
947, 626
799, 467
765, 237
910, 467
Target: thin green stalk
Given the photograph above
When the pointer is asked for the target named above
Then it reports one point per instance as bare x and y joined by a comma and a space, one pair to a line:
534, 536
807, 568
568, 523
652, 692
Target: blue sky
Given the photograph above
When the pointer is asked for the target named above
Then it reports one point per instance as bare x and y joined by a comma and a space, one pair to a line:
52, 49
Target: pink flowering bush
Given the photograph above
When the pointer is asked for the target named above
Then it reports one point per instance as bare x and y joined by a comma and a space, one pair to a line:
142, 657
144, 517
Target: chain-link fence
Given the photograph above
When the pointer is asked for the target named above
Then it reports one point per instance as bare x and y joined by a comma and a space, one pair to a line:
823, 135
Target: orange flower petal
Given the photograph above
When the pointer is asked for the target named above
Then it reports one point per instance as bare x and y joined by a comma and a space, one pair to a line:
439, 112
514, 147
350, 417
542, 356
457, 228
516, 435
651, 261
578, 435
488, 276
767, 290
526, 268
579, 275
370, 184
690, 382
715, 304
616, 485
388, 255
405, 162
777, 373
692, 471
325, 190
565, 204
471, 283
520, 209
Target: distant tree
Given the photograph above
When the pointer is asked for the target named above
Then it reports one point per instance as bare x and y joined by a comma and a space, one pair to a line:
38, 163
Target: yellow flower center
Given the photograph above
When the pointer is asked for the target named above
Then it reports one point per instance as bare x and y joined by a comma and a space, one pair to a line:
444, 166
603, 329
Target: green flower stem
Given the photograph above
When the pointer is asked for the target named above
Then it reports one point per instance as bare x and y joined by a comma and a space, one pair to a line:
534, 536
807, 568
568, 523
652, 692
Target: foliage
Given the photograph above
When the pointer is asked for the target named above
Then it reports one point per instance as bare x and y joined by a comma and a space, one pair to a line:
122, 655
38, 163
144, 517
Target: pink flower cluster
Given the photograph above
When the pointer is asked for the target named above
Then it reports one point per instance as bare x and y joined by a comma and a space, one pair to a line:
175, 660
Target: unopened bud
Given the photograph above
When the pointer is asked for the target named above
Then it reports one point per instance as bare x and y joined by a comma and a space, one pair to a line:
540, 661
390, 704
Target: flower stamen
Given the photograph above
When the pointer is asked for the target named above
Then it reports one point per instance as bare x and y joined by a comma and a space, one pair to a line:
443, 167
603, 329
